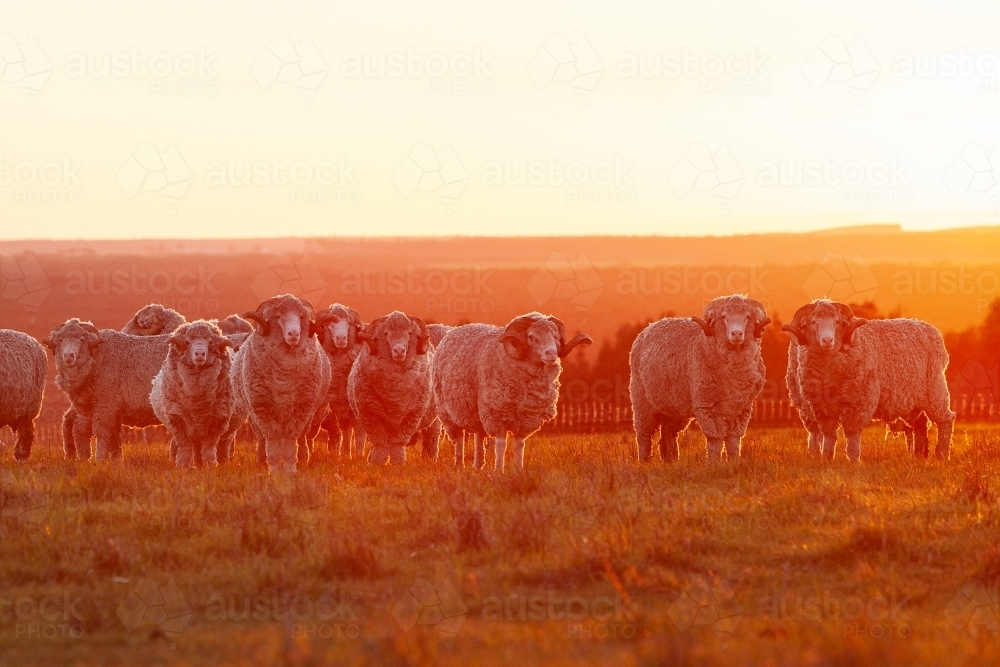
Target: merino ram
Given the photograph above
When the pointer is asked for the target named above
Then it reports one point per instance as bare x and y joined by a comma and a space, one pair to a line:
193, 397
281, 376
153, 320
709, 369
491, 381
389, 386
852, 370
106, 375
23, 367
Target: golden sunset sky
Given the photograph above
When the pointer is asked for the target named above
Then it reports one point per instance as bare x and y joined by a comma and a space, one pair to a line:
237, 119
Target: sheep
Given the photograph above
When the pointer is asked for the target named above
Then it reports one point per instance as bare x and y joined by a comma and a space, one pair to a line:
852, 370
281, 376
153, 320
342, 344
23, 367
709, 369
491, 381
389, 386
193, 397
106, 375
234, 324
429, 434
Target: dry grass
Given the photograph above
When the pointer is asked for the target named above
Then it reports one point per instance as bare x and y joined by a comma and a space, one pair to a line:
779, 560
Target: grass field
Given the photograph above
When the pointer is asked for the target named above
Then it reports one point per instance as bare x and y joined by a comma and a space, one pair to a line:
585, 558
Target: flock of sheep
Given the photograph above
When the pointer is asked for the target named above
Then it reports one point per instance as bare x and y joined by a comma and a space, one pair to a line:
396, 382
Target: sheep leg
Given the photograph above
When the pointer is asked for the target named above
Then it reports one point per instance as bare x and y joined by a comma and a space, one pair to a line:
733, 448
829, 441
908, 435
815, 443
853, 444
280, 454
501, 450
359, 441
108, 435
25, 429
183, 451
378, 455
669, 449
714, 449
479, 451
397, 455
209, 452
921, 447
334, 433
81, 430
457, 437
945, 425
518, 453
69, 445
432, 438
645, 429
303, 449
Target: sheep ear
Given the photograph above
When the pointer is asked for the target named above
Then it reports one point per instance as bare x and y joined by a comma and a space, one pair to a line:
579, 339
851, 327
178, 341
259, 321
424, 337
515, 336
47, 342
758, 329
800, 339
355, 318
708, 326
370, 334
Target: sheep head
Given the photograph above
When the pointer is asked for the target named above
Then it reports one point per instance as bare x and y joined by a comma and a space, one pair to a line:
733, 320
285, 316
825, 325
74, 343
396, 336
340, 333
234, 324
199, 344
539, 339
151, 320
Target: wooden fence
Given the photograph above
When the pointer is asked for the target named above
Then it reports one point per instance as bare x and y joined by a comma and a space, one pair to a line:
589, 417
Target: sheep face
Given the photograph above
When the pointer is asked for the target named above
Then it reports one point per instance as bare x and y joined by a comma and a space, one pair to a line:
74, 343
235, 324
200, 343
285, 316
397, 336
537, 339
342, 332
149, 320
734, 320
824, 325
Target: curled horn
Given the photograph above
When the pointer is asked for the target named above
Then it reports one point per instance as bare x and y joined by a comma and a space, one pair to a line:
762, 320
515, 336
851, 323
324, 318
708, 326
564, 347
423, 343
370, 333
795, 326
260, 324
96, 339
